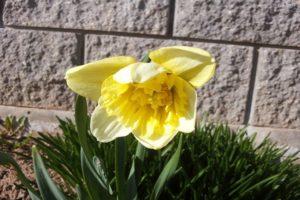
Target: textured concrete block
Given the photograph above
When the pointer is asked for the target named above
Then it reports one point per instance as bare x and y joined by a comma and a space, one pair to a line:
223, 98
276, 100
284, 138
142, 16
262, 21
32, 68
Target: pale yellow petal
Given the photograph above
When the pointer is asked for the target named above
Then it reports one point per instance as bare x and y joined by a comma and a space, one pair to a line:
106, 128
154, 105
138, 73
155, 136
200, 75
86, 80
144, 107
185, 100
156, 126
192, 64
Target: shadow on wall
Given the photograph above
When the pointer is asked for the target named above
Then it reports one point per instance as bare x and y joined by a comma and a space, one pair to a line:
2, 2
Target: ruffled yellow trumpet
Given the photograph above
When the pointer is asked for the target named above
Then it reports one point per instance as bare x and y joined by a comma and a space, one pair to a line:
153, 101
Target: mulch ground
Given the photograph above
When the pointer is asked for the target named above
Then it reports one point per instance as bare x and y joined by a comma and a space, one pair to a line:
10, 186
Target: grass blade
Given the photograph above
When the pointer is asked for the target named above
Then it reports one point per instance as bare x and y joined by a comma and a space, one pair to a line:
6, 159
81, 195
81, 123
135, 171
47, 187
120, 162
131, 182
33, 196
167, 172
96, 187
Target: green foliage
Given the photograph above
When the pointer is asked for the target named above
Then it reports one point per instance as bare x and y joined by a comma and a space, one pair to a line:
6, 159
47, 187
167, 172
13, 132
212, 163
217, 163
14, 125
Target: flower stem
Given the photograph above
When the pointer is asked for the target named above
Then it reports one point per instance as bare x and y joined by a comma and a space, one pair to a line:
120, 155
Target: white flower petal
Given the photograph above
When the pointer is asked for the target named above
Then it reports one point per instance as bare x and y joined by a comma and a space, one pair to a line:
106, 128
138, 73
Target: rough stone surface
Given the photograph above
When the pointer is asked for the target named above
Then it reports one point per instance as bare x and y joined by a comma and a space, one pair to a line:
32, 67
223, 98
277, 89
142, 16
285, 138
262, 21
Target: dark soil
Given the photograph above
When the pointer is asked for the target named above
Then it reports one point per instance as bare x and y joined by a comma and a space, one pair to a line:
10, 186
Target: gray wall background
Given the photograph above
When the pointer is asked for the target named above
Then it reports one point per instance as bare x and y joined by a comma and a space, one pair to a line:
255, 42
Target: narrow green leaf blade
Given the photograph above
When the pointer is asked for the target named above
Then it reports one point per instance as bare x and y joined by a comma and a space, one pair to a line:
131, 182
33, 196
81, 113
47, 187
146, 58
167, 172
140, 152
6, 159
120, 159
135, 171
96, 187
81, 194
81, 123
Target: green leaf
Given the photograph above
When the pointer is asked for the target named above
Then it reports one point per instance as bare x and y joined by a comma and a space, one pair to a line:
81, 120
33, 196
6, 159
146, 58
120, 162
140, 152
81, 194
131, 182
167, 172
96, 187
101, 172
257, 185
47, 187
135, 171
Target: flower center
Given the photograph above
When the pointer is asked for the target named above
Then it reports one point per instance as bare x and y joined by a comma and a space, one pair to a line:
138, 103
154, 93
153, 97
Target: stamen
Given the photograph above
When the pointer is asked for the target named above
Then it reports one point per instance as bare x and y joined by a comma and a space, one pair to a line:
151, 102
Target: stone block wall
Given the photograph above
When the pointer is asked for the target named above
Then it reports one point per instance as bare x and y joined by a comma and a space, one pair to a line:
255, 42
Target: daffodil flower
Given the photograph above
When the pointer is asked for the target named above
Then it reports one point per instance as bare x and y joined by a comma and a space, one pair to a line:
153, 101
